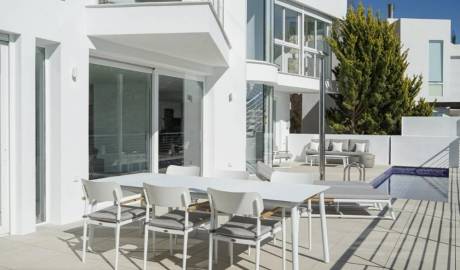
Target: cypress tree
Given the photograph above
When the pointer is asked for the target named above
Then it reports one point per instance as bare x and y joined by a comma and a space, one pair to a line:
374, 91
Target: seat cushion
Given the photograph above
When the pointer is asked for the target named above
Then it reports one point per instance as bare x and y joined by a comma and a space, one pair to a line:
109, 214
245, 227
175, 220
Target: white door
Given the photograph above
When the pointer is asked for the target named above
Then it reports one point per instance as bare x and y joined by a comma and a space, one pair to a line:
4, 139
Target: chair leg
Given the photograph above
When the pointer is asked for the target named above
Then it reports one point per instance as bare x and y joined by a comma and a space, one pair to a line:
257, 255
211, 250
230, 250
146, 244
249, 250
283, 228
184, 252
153, 243
216, 251
91, 229
309, 224
390, 208
85, 230
117, 244
170, 245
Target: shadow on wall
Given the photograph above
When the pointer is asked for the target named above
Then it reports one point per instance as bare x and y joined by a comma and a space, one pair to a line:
448, 157
310, 107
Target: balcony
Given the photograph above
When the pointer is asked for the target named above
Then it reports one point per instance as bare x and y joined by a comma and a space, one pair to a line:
185, 30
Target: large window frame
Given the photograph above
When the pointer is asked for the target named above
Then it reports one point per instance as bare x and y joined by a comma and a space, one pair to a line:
154, 110
436, 86
302, 46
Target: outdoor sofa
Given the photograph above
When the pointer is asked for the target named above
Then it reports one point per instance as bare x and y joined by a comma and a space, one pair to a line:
349, 149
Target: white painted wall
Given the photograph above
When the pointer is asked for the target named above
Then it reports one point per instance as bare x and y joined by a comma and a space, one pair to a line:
430, 126
378, 145
442, 152
58, 25
282, 120
415, 35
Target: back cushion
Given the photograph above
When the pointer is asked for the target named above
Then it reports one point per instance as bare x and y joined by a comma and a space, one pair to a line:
354, 142
344, 142
327, 143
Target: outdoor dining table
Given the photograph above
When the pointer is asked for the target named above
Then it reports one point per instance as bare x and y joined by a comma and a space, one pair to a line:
288, 196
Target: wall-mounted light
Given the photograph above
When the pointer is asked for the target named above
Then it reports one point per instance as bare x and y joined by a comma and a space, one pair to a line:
189, 98
74, 74
230, 97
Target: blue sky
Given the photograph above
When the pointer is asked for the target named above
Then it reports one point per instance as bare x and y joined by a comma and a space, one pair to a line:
432, 9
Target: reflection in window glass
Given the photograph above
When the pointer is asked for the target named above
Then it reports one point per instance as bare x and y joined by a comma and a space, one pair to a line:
292, 59
277, 56
278, 22
309, 64
320, 35
309, 30
119, 121
179, 122
256, 30
435, 61
291, 25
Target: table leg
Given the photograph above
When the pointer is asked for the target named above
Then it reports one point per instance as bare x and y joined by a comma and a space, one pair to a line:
322, 212
295, 237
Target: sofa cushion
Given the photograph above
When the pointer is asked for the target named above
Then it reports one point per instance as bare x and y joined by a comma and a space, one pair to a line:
353, 142
327, 143
344, 142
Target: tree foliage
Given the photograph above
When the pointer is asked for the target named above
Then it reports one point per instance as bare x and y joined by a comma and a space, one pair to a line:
374, 91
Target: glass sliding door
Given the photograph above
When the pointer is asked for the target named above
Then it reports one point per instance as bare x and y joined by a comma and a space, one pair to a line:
120, 117
40, 136
259, 125
4, 138
179, 122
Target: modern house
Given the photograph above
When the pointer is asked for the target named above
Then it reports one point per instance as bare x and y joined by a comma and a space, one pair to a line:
431, 53
91, 89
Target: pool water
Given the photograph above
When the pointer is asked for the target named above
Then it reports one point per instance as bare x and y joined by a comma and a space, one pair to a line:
415, 184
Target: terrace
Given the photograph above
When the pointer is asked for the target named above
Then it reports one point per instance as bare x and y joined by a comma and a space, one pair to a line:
423, 236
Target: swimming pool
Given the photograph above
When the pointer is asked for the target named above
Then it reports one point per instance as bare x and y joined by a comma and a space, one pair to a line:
430, 184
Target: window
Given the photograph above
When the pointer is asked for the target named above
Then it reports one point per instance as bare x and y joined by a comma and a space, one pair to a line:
259, 125
291, 27
40, 138
256, 30
435, 75
278, 23
309, 29
287, 42
119, 121
179, 122
295, 46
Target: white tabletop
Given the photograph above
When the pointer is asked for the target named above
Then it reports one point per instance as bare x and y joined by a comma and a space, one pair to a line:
284, 193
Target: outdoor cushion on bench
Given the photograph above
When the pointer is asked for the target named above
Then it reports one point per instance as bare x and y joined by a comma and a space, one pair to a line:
175, 220
109, 214
246, 227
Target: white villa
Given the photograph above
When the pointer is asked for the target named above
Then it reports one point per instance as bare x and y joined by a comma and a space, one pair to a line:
91, 89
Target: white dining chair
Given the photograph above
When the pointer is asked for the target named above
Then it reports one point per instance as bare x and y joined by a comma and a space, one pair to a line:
183, 170
298, 178
176, 222
245, 225
115, 216
231, 174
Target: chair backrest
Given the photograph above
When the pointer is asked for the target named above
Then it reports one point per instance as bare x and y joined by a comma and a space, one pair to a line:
294, 177
167, 196
98, 192
237, 203
183, 170
263, 171
242, 175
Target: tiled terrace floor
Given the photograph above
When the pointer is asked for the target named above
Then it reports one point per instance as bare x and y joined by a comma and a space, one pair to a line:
425, 235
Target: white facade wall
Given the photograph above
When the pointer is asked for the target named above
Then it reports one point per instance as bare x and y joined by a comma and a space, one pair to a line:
62, 27
417, 151
430, 126
415, 35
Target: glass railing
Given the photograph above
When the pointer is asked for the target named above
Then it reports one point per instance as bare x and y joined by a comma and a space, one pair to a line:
217, 5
